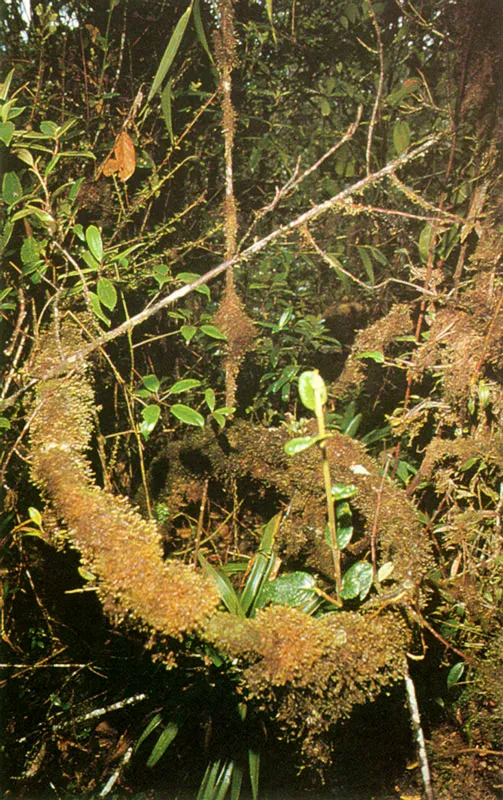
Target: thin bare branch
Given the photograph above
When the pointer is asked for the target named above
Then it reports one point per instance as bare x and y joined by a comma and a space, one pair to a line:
341, 199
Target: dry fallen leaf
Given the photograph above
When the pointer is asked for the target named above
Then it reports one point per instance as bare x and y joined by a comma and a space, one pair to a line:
123, 159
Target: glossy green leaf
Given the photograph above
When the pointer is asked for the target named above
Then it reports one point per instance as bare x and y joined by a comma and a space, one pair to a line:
401, 136
25, 156
188, 415
357, 581
167, 736
213, 332
294, 589
96, 308
94, 243
150, 414
343, 491
225, 588
151, 382
184, 385
5, 423
209, 396
301, 443
170, 53
107, 293
35, 516
12, 189
455, 674
312, 386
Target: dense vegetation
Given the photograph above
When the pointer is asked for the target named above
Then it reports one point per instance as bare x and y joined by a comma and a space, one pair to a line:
251, 405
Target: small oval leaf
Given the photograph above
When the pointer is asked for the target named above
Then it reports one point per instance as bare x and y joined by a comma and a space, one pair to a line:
107, 293
94, 243
213, 332
188, 415
312, 387
151, 382
357, 581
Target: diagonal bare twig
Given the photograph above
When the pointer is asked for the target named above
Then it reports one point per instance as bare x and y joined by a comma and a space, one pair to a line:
342, 198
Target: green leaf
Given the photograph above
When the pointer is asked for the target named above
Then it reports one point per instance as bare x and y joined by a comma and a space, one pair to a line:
220, 415
96, 308
150, 414
188, 332
184, 385
367, 263
401, 136
385, 571
455, 674
213, 332
343, 491
375, 355
166, 109
295, 589
6, 132
425, 241
209, 396
5, 86
357, 581
225, 588
261, 567
152, 725
5, 423
301, 443
162, 274
12, 189
25, 156
188, 415
29, 252
170, 53
94, 243
344, 518
35, 516
311, 384
201, 35
167, 736
107, 293
151, 382
254, 767
49, 128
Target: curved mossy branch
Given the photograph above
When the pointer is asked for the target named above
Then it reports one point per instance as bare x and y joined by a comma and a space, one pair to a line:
309, 672
117, 544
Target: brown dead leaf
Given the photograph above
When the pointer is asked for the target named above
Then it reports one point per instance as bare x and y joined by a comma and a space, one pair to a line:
123, 159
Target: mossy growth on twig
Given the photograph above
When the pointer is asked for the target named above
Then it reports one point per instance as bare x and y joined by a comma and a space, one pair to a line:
306, 672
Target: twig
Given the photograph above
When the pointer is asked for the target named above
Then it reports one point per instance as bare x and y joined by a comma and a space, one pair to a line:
336, 265
296, 179
380, 85
418, 731
341, 198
